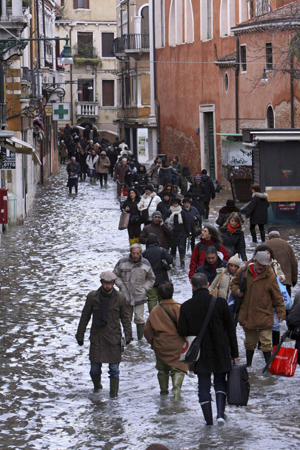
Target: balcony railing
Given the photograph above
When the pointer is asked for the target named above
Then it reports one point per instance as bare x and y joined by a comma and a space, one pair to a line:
86, 109
130, 43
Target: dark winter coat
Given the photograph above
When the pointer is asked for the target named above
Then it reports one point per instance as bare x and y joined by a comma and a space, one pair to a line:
224, 214
219, 343
75, 170
261, 298
284, 254
163, 207
167, 175
141, 177
197, 193
207, 269
234, 242
209, 188
135, 216
82, 162
258, 209
163, 232
183, 183
155, 255
198, 255
191, 213
180, 230
105, 341
120, 173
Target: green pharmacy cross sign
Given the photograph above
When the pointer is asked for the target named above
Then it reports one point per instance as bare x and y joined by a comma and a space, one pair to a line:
61, 111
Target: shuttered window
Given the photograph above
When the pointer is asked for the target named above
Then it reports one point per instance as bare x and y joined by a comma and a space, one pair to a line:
108, 93
84, 4
107, 40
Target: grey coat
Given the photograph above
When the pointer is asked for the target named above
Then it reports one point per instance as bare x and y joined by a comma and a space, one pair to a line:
105, 342
134, 279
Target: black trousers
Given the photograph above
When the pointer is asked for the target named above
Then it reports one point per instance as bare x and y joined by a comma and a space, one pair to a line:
101, 177
261, 230
73, 182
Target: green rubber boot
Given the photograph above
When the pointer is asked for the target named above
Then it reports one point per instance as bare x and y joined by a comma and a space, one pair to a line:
140, 330
96, 379
114, 387
163, 379
177, 380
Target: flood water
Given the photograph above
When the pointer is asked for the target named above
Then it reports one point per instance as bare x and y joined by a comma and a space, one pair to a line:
47, 402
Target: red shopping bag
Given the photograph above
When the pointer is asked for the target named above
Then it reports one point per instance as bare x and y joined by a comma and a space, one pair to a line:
285, 362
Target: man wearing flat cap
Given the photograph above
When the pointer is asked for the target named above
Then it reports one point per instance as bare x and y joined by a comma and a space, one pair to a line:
256, 284
108, 307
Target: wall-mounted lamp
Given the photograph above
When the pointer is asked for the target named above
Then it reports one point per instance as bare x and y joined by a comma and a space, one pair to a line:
197, 130
264, 78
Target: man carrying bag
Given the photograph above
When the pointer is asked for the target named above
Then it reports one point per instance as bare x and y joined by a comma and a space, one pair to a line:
218, 346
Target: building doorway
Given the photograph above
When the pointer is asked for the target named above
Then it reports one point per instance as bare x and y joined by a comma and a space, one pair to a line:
208, 139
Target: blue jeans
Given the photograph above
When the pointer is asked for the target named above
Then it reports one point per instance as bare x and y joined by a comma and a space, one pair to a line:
204, 385
113, 369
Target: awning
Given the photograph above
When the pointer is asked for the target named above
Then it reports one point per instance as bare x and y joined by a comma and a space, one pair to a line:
18, 146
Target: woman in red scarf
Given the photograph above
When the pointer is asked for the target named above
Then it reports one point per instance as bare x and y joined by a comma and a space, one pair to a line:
233, 236
209, 236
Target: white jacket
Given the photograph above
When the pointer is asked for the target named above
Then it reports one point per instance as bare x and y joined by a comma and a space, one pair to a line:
91, 160
145, 202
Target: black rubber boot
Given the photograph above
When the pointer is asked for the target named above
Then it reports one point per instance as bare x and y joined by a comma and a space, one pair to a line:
114, 387
207, 413
96, 379
249, 357
220, 401
267, 356
140, 330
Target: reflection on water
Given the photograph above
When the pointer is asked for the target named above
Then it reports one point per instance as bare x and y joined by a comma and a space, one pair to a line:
48, 266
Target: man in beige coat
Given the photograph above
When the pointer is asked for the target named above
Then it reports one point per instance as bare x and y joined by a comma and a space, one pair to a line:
102, 167
161, 332
260, 298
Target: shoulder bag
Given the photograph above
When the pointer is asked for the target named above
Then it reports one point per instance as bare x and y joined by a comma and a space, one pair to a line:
145, 213
215, 290
165, 309
190, 352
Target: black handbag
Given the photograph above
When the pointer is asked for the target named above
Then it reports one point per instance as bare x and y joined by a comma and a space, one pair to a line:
145, 214
190, 352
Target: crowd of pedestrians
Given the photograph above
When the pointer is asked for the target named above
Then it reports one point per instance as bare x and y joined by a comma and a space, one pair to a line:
166, 206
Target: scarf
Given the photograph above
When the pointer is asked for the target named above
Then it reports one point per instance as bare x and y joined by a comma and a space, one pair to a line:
176, 211
102, 314
209, 242
232, 229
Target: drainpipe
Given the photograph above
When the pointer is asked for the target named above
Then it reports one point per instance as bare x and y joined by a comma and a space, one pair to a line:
71, 82
156, 101
237, 69
292, 89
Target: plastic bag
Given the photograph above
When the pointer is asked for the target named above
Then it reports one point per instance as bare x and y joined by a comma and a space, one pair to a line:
285, 362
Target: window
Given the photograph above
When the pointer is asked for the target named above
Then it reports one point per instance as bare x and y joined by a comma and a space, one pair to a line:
270, 117
81, 4
108, 93
85, 45
85, 91
176, 23
269, 56
206, 20
107, 40
62, 2
262, 7
159, 23
145, 20
243, 58
189, 21
226, 82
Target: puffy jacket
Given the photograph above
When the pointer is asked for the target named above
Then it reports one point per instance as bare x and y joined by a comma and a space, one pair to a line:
134, 279
224, 286
162, 231
207, 270
146, 202
197, 192
225, 212
103, 164
190, 214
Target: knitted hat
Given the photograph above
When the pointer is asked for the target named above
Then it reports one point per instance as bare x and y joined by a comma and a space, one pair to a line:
108, 276
198, 177
235, 260
262, 258
156, 214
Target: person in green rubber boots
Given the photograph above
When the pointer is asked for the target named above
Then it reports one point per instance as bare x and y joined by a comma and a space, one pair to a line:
108, 308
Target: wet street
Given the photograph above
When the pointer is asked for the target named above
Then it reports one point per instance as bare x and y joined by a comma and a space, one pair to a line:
46, 398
